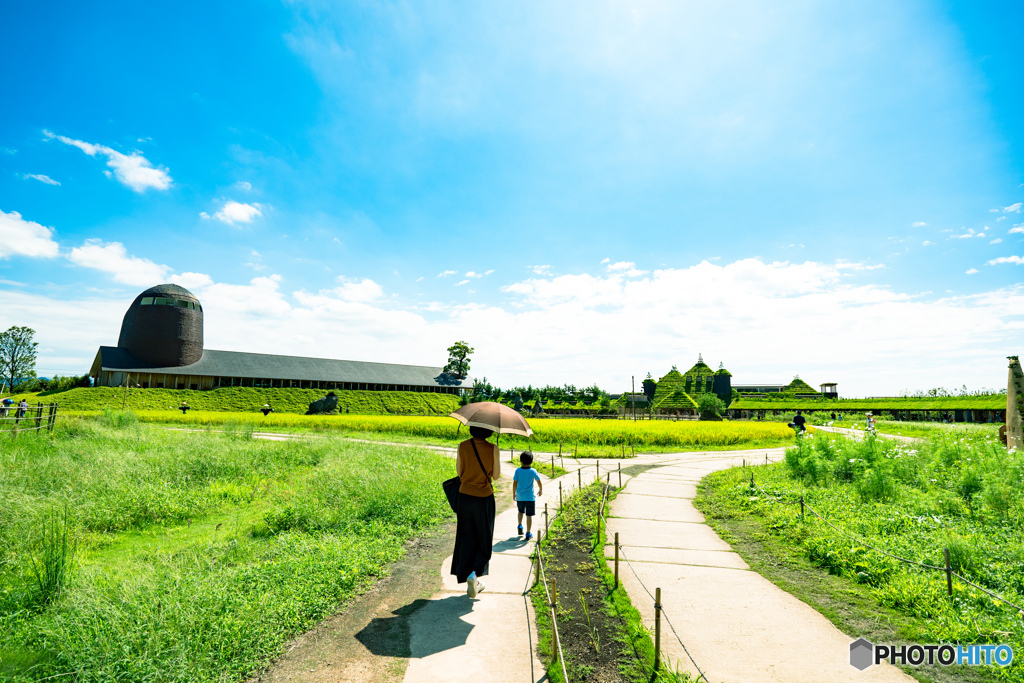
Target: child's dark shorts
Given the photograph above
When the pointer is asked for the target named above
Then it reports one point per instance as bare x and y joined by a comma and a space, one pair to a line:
527, 507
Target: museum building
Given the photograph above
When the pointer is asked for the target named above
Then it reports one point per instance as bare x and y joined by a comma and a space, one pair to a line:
161, 346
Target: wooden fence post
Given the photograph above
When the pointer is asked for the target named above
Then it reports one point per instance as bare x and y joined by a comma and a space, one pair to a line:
545, 519
579, 478
559, 495
39, 417
620, 475
801, 507
616, 559
657, 628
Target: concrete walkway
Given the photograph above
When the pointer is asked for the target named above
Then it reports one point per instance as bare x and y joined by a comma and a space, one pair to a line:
492, 638
738, 626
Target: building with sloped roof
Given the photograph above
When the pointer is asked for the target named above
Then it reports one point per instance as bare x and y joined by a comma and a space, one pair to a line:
161, 346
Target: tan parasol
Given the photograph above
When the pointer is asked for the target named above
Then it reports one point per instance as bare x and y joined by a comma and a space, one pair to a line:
493, 416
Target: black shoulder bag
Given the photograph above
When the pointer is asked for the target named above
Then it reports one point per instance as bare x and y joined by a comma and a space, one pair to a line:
451, 486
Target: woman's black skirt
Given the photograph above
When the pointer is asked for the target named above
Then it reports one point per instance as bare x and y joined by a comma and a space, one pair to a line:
474, 532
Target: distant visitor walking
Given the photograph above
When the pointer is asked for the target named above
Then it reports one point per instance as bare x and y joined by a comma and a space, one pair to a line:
478, 463
798, 422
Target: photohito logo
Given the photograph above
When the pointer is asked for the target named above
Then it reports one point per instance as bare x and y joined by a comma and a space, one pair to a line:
864, 654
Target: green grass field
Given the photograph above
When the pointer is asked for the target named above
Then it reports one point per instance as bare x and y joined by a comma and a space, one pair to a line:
190, 556
959, 491
591, 438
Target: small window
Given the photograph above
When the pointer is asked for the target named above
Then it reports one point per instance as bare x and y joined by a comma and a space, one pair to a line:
163, 301
199, 307
147, 301
181, 303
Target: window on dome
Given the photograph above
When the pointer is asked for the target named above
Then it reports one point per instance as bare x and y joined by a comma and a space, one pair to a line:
163, 301
147, 301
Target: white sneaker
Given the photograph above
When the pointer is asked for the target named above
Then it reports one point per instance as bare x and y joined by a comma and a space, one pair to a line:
471, 585
479, 586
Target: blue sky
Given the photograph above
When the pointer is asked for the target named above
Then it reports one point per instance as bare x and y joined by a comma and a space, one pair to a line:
582, 192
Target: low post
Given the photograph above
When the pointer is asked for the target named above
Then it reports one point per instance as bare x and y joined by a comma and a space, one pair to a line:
545, 519
616, 559
559, 495
751, 480
657, 628
576, 450
599, 542
620, 475
39, 417
559, 450
597, 471
554, 611
949, 573
801, 507
766, 458
579, 478
552, 464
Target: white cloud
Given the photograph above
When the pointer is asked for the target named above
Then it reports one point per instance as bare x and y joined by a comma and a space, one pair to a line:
972, 271
1018, 260
244, 186
1013, 208
40, 177
627, 268
606, 260
133, 170
464, 282
968, 235
1001, 218
447, 273
419, 279
927, 243
918, 224
112, 258
19, 237
997, 240
845, 265
364, 290
192, 280
1017, 229
890, 339
234, 212
474, 275
542, 270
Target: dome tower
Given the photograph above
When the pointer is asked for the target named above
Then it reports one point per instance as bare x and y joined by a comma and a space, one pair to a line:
164, 326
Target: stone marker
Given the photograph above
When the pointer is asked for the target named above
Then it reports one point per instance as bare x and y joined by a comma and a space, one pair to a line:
1014, 405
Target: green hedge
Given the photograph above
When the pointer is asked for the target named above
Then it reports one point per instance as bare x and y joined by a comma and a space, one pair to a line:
244, 399
992, 402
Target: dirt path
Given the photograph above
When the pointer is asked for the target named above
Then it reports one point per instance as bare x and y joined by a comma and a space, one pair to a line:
737, 626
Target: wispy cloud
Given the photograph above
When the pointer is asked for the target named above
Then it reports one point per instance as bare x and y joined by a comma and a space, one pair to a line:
1013, 208
464, 282
997, 240
1017, 229
972, 271
1018, 260
358, 291
447, 273
244, 186
845, 265
19, 237
256, 261
112, 258
544, 270
918, 224
132, 170
968, 235
40, 177
927, 243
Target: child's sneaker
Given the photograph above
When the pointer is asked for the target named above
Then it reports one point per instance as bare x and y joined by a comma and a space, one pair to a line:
519, 529
528, 536
471, 583
479, 586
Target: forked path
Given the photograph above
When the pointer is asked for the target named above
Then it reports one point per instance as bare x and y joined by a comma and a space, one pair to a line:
738, 626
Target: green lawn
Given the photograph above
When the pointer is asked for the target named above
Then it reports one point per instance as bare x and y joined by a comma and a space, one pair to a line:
198, 554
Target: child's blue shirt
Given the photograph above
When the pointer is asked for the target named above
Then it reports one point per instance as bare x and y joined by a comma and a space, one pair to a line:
524, 478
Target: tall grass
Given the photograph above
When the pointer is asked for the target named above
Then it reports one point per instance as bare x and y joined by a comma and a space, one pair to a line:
955, 491
185, 570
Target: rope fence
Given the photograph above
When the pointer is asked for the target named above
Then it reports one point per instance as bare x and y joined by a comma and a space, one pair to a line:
31, 415
947, 569
659, 609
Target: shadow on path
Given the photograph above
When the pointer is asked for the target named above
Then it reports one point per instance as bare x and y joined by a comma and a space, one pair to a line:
389, 637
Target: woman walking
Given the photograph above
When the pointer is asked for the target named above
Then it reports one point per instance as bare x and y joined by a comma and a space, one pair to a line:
478, 463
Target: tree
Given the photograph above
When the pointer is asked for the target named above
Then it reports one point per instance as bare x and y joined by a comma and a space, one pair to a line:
17, 355
710, 405
458, 359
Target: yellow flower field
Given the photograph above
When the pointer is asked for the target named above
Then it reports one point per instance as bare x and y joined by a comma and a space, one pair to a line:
608, 435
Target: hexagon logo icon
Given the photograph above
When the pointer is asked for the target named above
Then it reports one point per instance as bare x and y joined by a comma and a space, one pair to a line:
862, 654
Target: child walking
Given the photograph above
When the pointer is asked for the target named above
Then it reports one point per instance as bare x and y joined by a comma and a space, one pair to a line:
522, 491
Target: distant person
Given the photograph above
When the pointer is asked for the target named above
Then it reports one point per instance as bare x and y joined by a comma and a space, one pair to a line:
798, 423
184, 407
478, 463
522, 492
266, 409
871, 423
22, 408
833, 417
